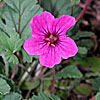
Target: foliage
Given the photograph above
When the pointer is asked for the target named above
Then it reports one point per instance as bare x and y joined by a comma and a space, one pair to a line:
69, 72
4, 87
79, 75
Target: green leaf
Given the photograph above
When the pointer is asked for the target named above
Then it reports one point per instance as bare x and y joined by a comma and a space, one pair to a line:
9, 45
74, 2
18, 15
98, 96
69, 72
10, 42
53, 97
15, 42
41, 96
4, 41
1, 8
12, 96
11, 57
13, 87
72, 72
26, 56
4, 87
59, 7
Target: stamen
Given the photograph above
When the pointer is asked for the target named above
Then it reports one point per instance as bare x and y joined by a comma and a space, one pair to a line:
55, 38
48, 43
47, 39
53, 45
51, 36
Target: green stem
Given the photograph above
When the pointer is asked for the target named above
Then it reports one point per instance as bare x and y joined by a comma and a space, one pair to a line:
27, 72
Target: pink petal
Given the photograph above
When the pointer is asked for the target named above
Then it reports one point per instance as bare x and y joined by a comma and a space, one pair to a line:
50, 58
62, 24
35, 46
41, 24
67, 47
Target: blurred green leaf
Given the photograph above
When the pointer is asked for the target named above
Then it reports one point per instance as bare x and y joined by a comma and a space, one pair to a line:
82, 89
88, 43
82, 50
82, 35
95, 83
1, 97
92, 62
28, 85
95, 63
98, 96
4, 87
12, 96
69, 72
92, 74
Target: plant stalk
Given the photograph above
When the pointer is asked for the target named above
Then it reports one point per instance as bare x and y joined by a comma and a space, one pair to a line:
14, 72
27, 72
53, 82
83, 11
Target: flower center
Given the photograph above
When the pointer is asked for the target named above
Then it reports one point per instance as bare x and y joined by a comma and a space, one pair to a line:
51, 40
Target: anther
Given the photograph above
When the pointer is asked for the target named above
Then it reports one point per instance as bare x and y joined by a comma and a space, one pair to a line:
48, 43
53, 45
55, 38
47, 39
51, 36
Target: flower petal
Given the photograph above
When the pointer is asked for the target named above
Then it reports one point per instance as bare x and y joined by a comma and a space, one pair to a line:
50, 58
41, 24
35, 46
62, 24
67, 47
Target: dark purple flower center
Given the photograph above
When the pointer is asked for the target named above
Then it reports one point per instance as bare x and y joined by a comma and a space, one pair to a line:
51, 40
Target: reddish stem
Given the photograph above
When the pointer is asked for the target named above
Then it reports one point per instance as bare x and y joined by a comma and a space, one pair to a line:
83, 11
53, 82
14, 72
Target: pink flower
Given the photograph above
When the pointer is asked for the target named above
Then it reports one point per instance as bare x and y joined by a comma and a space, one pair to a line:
49, 39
